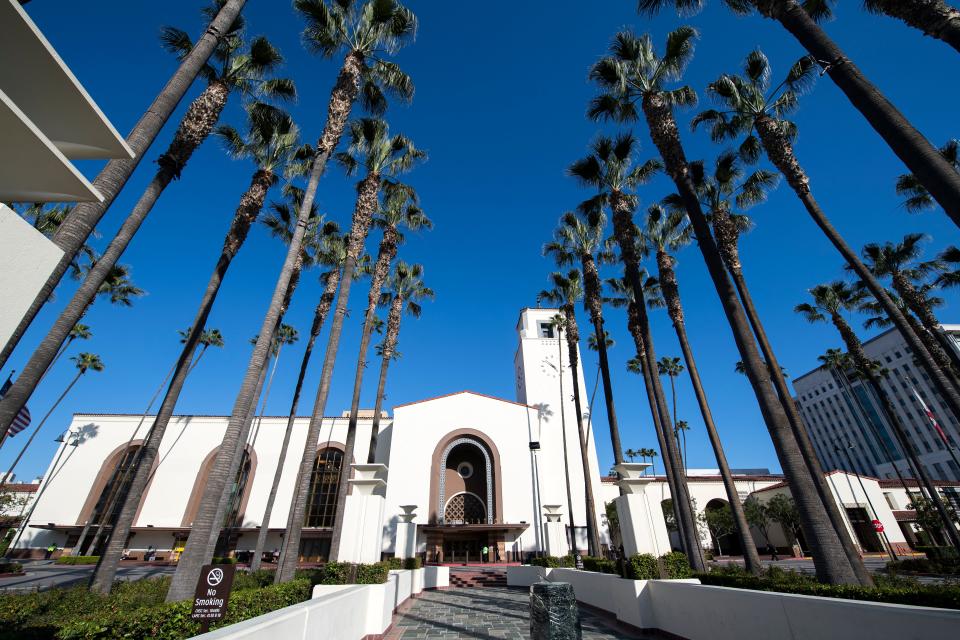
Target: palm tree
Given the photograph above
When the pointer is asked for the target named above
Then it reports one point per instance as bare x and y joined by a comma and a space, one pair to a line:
405, 291
664, 234
610, 169
381, 156
680, 427
245, 72
72, 235
79, 332
935, 18
800, 18
899, 262
670, 367
579, 238
752, 106
84, 362
568, 289
917, 197
830, 301
632, 455
271, 142
633, 73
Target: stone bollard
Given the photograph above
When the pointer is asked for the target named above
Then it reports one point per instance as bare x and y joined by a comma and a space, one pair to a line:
553, 612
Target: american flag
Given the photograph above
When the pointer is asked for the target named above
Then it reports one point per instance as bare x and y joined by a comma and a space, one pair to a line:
22, 421
932, 419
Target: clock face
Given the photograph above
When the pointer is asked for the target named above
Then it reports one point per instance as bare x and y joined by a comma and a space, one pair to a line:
548, 368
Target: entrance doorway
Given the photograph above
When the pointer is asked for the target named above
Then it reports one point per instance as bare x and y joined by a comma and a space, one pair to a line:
465, 549
863, 527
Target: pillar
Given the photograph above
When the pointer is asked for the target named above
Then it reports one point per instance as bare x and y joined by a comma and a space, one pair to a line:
362, 538
642, 527
554, 534
405, 545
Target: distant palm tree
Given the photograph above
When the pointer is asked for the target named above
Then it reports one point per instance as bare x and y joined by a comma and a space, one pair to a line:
579, 238
829, 302
567, 290
751, 106
671, 367
84, 362
79, 332
653, 465
405, 291
635, 73
72, 235
271, 142
631, 454
935, 18
800, 18
917, 197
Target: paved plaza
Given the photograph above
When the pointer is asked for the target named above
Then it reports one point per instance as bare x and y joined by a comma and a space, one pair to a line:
484, 614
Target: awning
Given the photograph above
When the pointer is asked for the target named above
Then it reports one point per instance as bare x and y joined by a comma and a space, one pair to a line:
477, 528
35, 78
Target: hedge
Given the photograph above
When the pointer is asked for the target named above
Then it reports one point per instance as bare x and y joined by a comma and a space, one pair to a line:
600, 565
643, 566
11, 567
553, 562
77, 560
894, 591
676, 565
132, 610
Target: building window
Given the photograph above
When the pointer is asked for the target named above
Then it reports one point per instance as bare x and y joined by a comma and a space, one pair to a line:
324, 485
545, 329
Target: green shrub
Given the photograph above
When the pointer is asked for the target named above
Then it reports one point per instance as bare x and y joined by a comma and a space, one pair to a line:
676, 565
394, 563
941, 554
599, 565
412, 563
938, 563
223, 560
643, 566
553, 562
372, 573
895, 590
11, 567
77, 560
333, 573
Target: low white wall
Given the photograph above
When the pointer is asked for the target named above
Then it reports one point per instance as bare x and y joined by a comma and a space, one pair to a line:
336, 612
694, 611
436, 577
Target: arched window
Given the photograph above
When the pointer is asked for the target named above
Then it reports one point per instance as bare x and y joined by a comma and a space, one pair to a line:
324, 485
112, 496
237, 490
465, 508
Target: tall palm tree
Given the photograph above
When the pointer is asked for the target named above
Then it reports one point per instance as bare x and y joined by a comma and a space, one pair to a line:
237, 70
632, 454
800, 18
610, 169
636, 318
665, 233
900, 262
79, 332
72, 235
568, 289
830, 301
751, 105
84, 362
935, 18
405, 291
579, 238
381, 156
670, 367
635, 72
917, 197
271, 143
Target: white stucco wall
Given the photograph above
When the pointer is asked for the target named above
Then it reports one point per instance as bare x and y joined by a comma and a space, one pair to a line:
27, 258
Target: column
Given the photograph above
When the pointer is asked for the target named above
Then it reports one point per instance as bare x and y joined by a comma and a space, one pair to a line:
363, 515
642, 527
405, 545
554, 534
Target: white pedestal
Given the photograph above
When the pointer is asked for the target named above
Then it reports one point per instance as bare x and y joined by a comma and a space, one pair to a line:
642, 527
405, 545
554, 532
362, 538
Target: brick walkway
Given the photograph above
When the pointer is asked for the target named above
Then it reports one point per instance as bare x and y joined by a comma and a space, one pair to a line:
482, 614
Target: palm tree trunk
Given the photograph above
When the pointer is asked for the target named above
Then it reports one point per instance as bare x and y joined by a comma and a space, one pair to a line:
593, 534
566, 456
625, 234
210, 513
780, 152
250, 204
36, 430
381, 269
929, 331
671, 292
394, 317
319, 315
935, 18
921, 157
366, 205
829, 556
194, 128
78, 226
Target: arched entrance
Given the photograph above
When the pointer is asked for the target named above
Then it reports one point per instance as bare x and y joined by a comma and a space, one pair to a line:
723, 532
321, 511
107, 497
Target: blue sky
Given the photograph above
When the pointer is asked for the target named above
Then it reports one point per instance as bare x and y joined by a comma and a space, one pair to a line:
501, 94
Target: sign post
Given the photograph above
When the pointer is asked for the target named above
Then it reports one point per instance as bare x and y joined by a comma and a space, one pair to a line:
212, 593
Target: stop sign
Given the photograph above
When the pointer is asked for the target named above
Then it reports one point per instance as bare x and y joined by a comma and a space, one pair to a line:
878, 526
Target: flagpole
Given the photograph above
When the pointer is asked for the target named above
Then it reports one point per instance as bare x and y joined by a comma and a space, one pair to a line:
936, 427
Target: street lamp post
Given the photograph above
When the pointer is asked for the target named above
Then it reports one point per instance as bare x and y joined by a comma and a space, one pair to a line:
846, 452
